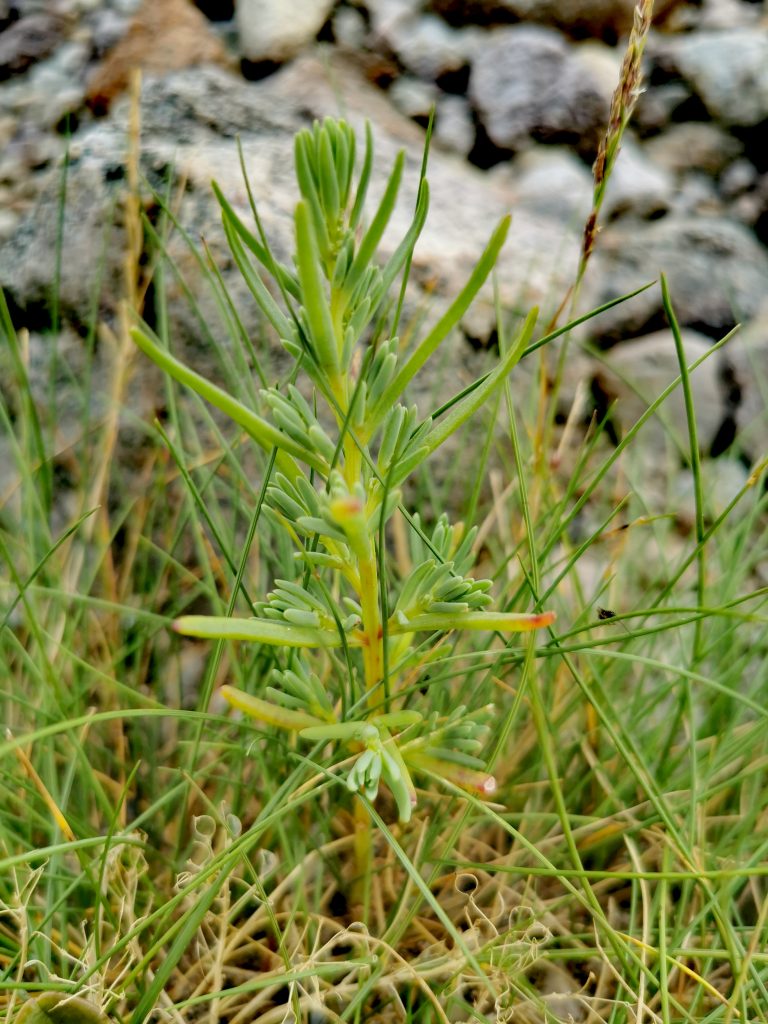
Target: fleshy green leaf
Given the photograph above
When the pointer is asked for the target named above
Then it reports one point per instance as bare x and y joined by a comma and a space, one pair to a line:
229, 216
265, 435
366, 252
263, 631
270, 714
448, 320
502, 622
461, 412
313, 293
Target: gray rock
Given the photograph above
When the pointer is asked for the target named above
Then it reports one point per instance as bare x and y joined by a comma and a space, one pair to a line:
8, 220
697, 195
527, 84
722, 480
413, 97
454, 127
28, 152
601, 63
386, 15
728, 70
717, 273
739, 177
207, 108
50, 89
637, 185
658, 104
28, 258
727, 14
553, 182
693, 144
126, 7
744, 362
596, 17
428, 47
274, 30
636, 372
751, 206
349, 28
27, 41
107, 28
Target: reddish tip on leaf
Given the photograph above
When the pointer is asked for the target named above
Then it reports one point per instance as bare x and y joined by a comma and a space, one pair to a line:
175, 626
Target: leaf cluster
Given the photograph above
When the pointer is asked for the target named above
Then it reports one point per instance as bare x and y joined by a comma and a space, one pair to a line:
343, 448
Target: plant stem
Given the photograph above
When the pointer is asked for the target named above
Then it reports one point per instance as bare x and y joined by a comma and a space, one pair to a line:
372, 632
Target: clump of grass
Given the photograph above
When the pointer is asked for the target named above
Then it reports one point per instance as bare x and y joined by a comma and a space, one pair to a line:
160, 857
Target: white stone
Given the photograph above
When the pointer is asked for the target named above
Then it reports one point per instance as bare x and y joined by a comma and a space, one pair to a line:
276, 30
349, 28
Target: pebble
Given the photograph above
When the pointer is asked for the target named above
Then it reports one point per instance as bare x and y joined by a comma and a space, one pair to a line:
349, 28
745, 365
737, 178
657, 106
728, 70
275, 30
634, 373
637, 185
722, 480
553, 181
454, 126
413, 97
697, 195
27, 41
428, 47
693, 144
528, 85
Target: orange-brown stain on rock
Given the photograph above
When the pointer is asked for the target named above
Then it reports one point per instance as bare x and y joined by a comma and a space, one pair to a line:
165, 35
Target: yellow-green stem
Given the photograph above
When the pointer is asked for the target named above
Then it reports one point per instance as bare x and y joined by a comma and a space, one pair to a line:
372, 634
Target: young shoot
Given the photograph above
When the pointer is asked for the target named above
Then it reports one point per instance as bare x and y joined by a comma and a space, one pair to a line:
337, 483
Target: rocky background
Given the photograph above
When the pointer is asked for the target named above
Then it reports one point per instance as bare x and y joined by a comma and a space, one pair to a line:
521, 89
